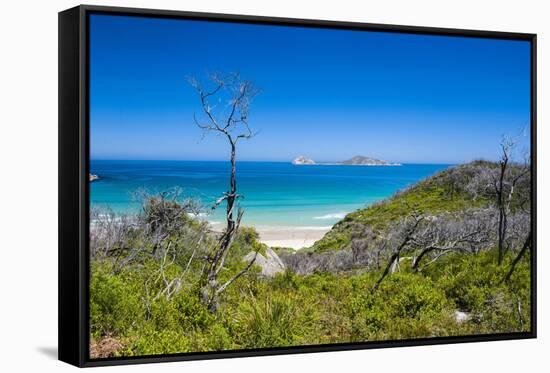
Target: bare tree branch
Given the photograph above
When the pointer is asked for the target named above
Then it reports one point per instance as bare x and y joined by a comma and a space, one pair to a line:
526, 247
408, 236
232, 279
238, 94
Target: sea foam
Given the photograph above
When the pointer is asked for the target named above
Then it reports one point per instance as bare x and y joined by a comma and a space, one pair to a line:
339, 215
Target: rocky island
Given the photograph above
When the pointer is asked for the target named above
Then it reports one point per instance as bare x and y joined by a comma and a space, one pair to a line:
358, 160
301, 160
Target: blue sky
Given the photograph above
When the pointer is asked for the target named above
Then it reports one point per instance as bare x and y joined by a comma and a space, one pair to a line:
326, 94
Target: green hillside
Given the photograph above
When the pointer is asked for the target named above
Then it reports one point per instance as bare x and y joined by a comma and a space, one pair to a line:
446, 192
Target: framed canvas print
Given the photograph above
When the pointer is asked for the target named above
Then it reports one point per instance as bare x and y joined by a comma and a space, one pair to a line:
237, 186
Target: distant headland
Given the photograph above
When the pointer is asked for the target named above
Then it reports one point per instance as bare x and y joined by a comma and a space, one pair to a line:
358, 160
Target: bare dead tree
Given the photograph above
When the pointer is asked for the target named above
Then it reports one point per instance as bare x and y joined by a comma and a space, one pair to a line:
519, 225
230, 121
499, 190
110, 232
504, 185
526, 247
467, 232
163, 231
403, 237
422, 236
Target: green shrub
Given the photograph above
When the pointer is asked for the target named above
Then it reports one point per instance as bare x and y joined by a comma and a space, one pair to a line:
273, 321
406, 305
115, 303
475, 284
181, 312
293, 310
152, 341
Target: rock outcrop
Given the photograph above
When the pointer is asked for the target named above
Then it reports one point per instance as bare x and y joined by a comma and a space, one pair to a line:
303, 160
270, 264
461, 316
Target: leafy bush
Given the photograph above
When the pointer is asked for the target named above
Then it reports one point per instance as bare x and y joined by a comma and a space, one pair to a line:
405, 306
152, 341
274, 321
115, 302
475, 284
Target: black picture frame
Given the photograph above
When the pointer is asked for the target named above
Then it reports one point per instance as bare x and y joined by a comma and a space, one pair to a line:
73, 165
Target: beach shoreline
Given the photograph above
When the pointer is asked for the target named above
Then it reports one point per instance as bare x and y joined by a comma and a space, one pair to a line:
291, 237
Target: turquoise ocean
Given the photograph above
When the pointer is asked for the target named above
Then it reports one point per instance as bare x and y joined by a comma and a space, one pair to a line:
275, 193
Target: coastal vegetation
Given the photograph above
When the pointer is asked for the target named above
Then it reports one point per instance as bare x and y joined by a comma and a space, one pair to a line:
359, 283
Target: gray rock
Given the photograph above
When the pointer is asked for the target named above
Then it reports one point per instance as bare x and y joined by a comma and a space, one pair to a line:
303, 160
270, 264
461, 316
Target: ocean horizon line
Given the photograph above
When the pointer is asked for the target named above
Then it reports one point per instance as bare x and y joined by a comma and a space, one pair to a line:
322, 163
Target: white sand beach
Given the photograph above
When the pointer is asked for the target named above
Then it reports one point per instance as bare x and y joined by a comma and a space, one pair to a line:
295, 238
283, 236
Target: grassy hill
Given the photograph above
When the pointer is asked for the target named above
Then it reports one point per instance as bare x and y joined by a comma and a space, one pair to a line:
447, 191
